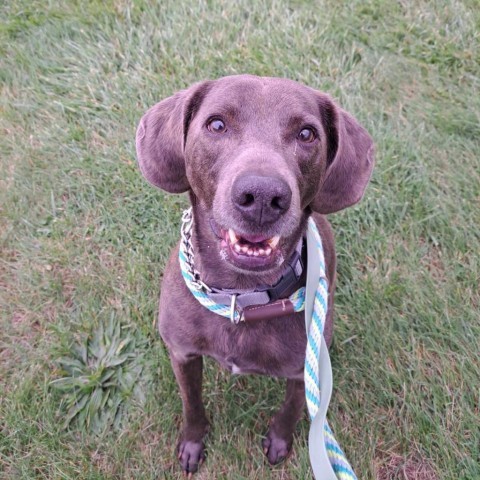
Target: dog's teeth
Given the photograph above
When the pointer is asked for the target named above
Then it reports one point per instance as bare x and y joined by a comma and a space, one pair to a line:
273, 242
255, 253
268, 251
233, 236
261, 251
244, 249
250, 251
237, 248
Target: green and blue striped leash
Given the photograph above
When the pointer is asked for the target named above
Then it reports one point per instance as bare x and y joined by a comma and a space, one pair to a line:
326, 457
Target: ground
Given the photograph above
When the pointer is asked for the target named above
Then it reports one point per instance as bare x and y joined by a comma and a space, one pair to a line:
87, 391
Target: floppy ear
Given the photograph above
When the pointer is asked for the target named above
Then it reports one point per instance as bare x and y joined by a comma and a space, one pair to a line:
350, 160
161, 137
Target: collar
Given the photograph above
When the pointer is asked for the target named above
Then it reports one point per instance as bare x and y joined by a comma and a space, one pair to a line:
266, 301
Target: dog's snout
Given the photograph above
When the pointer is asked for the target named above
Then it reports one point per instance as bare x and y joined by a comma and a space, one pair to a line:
261, 199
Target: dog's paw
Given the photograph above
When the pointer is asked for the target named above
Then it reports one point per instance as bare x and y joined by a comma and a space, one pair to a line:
275, 448
191, 455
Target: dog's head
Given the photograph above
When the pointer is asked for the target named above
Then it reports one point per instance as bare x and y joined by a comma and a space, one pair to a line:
258, 154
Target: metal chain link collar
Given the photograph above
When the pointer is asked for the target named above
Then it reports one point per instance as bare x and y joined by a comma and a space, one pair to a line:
186, 233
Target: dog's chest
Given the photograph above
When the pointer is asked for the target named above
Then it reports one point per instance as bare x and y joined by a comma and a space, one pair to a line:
268, 347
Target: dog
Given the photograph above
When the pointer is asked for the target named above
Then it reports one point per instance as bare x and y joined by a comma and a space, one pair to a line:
258, 156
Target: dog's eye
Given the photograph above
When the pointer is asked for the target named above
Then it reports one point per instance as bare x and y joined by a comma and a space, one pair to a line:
216, 125
307, 135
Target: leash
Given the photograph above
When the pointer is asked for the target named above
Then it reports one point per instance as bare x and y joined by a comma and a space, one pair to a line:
326, 457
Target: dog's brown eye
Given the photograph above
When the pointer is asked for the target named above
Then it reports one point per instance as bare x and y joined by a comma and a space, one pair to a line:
306, 135
216, 125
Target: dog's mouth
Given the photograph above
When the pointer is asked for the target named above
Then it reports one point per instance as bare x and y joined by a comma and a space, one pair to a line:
250, 251
251, 246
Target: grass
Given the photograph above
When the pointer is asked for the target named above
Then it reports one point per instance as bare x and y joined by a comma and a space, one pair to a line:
84, 238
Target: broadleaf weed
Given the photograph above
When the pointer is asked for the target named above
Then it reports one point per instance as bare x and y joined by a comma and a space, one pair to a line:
101, 376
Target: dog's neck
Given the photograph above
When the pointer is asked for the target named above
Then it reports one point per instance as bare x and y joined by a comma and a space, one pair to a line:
215, 270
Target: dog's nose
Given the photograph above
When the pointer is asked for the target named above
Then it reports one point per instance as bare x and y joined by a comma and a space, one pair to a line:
261, 199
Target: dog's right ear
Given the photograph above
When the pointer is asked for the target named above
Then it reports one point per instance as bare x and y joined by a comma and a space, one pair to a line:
161, 137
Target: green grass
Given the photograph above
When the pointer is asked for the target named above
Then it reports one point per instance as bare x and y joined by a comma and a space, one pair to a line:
84, 238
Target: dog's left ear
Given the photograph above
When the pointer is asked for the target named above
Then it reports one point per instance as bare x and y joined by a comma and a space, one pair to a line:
161, 137
350, 159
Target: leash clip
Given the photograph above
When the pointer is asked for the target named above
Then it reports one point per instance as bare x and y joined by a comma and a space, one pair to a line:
233, 311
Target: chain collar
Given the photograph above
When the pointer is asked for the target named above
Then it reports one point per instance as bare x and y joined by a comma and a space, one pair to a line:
186, 232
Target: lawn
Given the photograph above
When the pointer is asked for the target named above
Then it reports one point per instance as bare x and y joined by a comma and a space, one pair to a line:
86, 387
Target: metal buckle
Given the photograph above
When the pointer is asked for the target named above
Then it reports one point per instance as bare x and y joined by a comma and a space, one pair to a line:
233, 310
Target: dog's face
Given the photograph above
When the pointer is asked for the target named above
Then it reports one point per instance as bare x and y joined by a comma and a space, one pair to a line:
258, 154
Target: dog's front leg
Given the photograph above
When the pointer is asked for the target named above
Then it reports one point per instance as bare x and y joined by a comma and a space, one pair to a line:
278, 441
195, 424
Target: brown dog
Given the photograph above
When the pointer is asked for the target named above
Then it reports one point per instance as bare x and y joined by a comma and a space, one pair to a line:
258, 156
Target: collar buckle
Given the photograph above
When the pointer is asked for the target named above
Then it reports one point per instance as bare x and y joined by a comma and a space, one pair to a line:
292, 275
233, 310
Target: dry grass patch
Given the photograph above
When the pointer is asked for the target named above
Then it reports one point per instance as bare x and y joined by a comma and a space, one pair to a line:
410, 467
